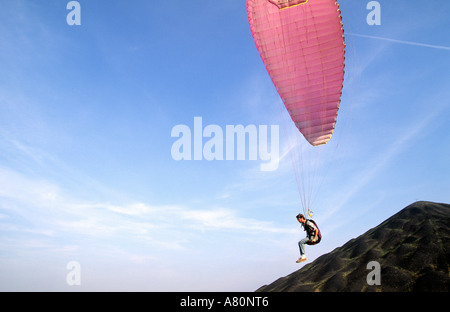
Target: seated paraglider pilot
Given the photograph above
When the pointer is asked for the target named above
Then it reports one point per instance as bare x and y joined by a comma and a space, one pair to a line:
313, 235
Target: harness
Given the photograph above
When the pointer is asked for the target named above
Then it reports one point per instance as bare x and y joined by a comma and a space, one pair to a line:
310, 232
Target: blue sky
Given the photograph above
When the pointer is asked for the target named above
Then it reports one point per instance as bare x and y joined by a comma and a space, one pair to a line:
86, 114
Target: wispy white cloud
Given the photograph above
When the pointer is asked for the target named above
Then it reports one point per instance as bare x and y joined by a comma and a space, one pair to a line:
413, 43
378, 163
39, 208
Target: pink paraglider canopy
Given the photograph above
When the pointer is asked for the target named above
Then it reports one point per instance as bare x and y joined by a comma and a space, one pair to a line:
302, 45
